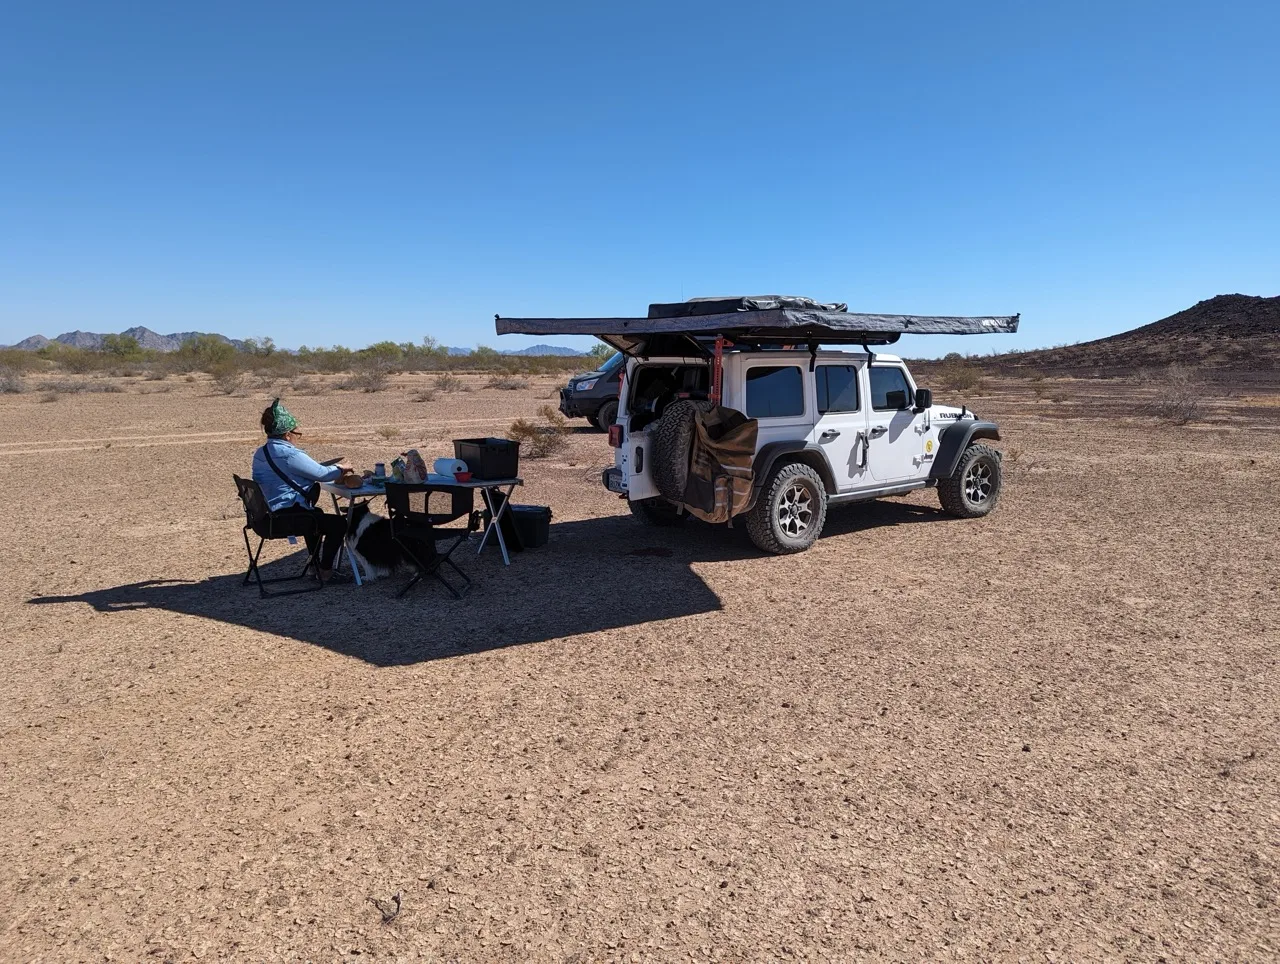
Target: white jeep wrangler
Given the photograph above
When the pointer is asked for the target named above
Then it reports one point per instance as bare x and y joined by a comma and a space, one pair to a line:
834, 427
830, 426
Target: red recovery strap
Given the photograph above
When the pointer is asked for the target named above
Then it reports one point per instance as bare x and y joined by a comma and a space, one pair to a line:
717, 367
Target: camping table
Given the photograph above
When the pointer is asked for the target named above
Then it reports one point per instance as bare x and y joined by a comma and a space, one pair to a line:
487, 489
351, 496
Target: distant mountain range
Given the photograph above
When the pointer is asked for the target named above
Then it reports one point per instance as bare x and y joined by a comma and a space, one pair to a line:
145, 337
154, 341
542, 350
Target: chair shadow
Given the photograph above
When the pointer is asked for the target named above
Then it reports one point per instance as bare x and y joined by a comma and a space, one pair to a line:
593, 575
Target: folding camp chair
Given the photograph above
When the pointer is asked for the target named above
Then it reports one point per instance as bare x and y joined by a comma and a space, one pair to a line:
265, 525
414, 530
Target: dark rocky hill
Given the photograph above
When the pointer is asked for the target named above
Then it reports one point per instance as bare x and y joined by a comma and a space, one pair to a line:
1236, 332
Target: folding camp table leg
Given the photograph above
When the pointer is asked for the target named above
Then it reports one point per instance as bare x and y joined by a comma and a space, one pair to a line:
345, 548
495, 518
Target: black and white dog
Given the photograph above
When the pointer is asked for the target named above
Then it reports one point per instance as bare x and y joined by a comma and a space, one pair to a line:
371, 545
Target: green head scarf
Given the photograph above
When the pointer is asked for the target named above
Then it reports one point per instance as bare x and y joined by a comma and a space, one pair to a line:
282, 422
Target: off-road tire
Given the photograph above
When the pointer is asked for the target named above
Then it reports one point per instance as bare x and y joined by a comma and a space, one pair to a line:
656, 512
671, 440
974, 488
779, 522
607, 415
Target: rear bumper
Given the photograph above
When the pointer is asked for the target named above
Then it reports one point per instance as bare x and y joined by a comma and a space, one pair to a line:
611, 479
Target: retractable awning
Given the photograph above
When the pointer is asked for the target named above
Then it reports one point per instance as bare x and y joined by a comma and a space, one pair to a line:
669, 333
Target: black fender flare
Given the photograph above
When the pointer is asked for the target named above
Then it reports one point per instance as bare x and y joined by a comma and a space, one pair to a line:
954, 439
807, 453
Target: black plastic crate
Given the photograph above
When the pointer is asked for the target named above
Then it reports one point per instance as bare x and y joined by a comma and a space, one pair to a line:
531, 525
489, 458
533, 522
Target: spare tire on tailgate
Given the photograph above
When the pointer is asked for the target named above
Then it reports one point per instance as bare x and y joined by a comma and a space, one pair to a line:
671, 442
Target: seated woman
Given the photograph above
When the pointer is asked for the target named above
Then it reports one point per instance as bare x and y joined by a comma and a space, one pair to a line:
288, 478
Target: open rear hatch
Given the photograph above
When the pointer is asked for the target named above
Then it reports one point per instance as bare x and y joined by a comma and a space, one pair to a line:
690, 328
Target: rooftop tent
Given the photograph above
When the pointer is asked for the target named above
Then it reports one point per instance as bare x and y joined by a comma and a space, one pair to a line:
691, 327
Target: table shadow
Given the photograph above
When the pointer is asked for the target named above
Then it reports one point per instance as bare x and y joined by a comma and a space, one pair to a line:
593, 575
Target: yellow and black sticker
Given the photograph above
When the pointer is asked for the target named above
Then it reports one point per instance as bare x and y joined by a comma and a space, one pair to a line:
928, 446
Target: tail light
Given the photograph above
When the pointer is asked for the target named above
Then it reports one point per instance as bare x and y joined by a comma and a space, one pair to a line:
615, 436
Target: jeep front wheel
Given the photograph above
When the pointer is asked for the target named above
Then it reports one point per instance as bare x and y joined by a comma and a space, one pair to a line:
974, 488
790, 512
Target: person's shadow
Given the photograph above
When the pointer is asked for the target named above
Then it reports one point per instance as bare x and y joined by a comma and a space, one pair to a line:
597, 574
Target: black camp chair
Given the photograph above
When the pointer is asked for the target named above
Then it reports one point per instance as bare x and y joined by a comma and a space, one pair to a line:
265, 525
414, 529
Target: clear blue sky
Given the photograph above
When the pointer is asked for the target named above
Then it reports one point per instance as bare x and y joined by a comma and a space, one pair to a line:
343, 172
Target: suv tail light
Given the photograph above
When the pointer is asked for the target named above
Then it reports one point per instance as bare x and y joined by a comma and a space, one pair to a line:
615, 436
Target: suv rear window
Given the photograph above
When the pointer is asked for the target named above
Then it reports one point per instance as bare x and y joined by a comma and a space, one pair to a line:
774, 392
884, 381
837, 388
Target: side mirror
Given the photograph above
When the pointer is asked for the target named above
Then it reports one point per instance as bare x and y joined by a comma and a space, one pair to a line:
896, 400
924, 399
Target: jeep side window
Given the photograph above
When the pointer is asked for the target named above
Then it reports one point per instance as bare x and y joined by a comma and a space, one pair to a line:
774, 392
887, 381
837, 388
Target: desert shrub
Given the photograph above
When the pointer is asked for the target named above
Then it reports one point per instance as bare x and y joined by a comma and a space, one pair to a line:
388, 432
959, 374
374, 378
206, 353
449, 382
306, 385
510, 383
77, 361
426, 395
265, 380
227, 379
1180, 396
64, 387
18, 360
10, 381
49, 397
155, 375
538, 440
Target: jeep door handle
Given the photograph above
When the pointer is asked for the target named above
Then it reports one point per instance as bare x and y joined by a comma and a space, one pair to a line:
878, 431
828, 435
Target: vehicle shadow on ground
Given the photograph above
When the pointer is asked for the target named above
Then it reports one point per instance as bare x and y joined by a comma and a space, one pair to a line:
593, 575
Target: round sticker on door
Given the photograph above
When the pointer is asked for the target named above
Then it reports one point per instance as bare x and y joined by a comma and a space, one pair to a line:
928, 446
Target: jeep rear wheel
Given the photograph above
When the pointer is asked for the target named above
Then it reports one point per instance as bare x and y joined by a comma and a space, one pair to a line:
974, 488
672, 441
656, 512
790, 512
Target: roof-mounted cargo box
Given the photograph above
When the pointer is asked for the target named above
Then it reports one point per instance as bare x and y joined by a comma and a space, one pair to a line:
690, 328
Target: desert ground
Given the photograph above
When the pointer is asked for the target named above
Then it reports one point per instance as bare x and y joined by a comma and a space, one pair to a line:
1050, 734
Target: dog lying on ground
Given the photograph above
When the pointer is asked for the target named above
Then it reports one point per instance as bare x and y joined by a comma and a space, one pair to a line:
371, 545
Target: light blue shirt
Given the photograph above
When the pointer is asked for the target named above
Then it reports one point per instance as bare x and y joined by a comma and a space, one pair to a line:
297, 465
